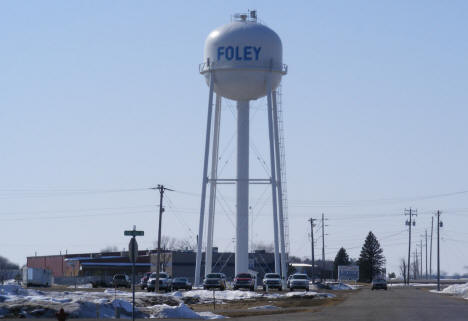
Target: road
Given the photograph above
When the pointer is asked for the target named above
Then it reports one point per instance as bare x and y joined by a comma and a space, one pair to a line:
397, 304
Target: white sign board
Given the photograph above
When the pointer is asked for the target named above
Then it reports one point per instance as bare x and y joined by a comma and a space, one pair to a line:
348, 272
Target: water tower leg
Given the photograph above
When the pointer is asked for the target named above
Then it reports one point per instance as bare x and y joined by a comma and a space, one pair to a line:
214, 176
273, 178
284, 270
204, 183
242, 221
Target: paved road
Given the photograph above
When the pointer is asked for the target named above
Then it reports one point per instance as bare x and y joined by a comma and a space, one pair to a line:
398, 304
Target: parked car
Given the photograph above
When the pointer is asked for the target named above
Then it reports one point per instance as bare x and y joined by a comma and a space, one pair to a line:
244, 281
165, 282
102, 281
298, 281
215, 280
144, 280
272, 281
121, 280
181, 283
379, 284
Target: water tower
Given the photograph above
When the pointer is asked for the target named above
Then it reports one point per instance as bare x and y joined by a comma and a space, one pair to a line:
243, 61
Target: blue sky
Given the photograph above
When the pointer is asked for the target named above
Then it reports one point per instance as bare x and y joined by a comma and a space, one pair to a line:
101, 100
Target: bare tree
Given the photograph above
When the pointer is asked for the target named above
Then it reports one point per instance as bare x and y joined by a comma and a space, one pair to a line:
403, 269
8, 270
110, 248
169, 243
267, 247
186, 244
415, 268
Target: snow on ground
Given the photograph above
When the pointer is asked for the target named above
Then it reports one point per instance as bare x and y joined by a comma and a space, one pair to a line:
81, 286
16, 301
206, 296
460, 290
181, 311
422, 285
339, 286
227, 295
264, 307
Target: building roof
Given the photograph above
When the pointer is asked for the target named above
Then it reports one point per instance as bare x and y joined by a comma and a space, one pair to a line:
113, 264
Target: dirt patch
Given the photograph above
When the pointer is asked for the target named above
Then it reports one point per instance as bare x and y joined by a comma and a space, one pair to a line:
283, 305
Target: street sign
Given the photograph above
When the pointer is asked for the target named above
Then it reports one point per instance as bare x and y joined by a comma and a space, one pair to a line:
134, 233
133, 249
348, 272
133, 254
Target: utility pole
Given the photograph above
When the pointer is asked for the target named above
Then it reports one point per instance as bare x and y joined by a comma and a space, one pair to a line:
426, 253
420, 254
439, 225
410, 223
415, 264
312, 225
430, 252
323, 247
161, 189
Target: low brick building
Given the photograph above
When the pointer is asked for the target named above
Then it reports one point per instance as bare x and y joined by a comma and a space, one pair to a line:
176, 263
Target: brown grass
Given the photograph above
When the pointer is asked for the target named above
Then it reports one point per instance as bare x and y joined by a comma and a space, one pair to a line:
285, 305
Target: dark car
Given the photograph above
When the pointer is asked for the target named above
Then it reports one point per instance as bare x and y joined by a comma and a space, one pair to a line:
272, 281
144, 280
379, 284
181, 283
121, 280
244, 281
215, 281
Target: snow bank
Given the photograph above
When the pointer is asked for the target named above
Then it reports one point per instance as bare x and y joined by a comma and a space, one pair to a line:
310, 293
204, 296
460, 290
300, 294
422, 285
264, 307
81, 286
17, 302
339, 286
181, 311
227, 295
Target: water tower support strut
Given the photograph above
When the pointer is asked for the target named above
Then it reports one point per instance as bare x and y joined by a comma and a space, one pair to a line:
204, 183
284, 271
273, 176
242, 219
213, 177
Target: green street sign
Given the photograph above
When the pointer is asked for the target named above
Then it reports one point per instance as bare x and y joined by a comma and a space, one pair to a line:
134, 233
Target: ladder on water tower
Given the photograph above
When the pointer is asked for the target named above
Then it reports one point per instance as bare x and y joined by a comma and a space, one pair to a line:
283, 168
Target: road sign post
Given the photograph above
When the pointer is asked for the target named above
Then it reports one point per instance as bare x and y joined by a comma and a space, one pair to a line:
133, 255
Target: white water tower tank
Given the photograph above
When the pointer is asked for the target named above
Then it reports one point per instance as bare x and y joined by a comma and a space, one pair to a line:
242, 54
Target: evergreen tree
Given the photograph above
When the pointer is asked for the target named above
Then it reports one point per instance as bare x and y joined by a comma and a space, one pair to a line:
341, 258
371, 260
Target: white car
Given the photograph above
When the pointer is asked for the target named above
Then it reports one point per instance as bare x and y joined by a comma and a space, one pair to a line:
272, 281
298, 281
165, 282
